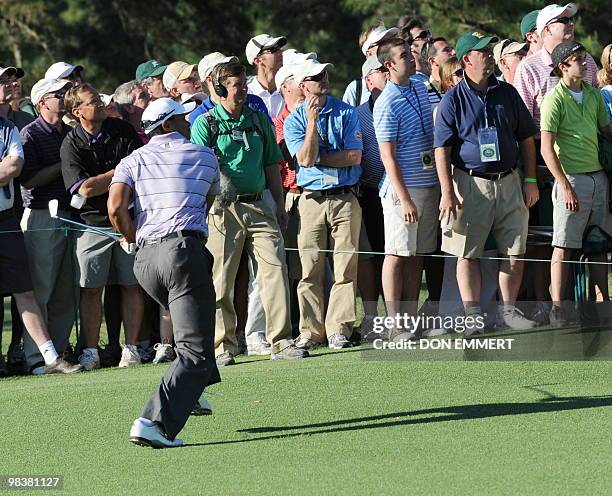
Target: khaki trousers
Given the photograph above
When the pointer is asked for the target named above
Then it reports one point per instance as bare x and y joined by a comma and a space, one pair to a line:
328, 222
53, 280
251, 226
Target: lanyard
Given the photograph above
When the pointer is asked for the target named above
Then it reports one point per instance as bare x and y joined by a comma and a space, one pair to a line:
323, 135
483, 100
419, 111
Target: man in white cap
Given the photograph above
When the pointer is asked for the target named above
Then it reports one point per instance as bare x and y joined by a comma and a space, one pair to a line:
554, 24
65, 71
264, 52
324, 136
372, 236
181, 77
533, 80
15, 278
173, 264
205, 68
19, 118
357, 93
508, 54
48, 248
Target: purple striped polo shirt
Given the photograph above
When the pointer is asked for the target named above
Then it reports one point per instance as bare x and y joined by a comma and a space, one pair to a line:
170, 178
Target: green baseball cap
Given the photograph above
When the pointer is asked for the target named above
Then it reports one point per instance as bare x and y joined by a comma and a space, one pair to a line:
529, 22
150, 68
473, 41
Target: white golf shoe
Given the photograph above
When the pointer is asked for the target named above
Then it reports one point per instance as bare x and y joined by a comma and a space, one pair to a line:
148, 434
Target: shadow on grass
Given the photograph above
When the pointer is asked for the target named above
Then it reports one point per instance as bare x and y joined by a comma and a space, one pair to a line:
551, 403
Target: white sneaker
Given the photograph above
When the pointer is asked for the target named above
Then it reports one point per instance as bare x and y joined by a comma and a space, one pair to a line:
203, 407
163, 353
432, 333
260, 349
517, 321
90, 359
151, 436
129, 356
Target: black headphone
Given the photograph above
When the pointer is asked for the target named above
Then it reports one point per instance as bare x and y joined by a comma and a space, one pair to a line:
217, 85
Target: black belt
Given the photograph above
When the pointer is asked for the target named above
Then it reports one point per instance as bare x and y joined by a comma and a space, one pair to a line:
332, 191
186, 233
491, 176
249, 197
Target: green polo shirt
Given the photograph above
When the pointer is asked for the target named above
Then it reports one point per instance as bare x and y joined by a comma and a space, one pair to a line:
245, 167
575, 125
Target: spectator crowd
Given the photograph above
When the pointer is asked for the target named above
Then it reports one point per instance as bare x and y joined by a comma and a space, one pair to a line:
439, 164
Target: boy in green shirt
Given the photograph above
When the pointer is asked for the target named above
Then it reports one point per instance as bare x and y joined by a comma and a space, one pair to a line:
572, 114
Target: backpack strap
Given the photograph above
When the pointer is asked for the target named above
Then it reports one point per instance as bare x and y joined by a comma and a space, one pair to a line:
213, 127
358, 91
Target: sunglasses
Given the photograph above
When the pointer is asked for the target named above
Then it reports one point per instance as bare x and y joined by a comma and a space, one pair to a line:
317, 78
562, 20
423, 35
58, 94
458, 73
273, 49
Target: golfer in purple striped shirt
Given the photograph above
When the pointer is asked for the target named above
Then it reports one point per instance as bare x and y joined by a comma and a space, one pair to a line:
172, 182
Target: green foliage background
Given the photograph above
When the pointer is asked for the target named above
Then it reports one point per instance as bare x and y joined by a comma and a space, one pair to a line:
111, 37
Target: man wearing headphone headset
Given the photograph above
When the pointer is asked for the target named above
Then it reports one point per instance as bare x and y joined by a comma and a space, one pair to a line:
249, 157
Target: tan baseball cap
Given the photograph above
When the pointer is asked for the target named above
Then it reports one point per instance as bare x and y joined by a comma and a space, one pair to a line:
508, 47
177, 71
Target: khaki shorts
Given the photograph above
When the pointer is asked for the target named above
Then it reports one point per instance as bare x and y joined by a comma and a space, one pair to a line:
102, 261
495, 207
568, 226
405, 239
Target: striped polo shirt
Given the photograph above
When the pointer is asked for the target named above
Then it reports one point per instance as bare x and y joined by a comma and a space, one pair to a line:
41, 147
402, 114
10, 146
373, 168
170, 178
533, 80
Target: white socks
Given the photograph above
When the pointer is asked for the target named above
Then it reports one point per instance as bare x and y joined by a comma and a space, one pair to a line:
47, 350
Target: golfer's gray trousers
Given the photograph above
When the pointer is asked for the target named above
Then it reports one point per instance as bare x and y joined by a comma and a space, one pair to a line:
177, 273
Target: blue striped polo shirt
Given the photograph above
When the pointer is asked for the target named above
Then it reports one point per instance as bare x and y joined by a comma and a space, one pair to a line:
170, 178
373, 168
402, 114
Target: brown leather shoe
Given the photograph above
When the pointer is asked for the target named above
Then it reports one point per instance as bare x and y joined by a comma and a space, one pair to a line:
61, 366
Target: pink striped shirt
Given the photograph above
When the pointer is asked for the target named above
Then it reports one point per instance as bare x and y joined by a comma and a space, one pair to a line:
533, 80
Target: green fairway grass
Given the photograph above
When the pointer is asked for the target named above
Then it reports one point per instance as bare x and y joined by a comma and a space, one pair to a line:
332, 424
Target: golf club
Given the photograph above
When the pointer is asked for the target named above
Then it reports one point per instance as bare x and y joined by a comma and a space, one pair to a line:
127, 247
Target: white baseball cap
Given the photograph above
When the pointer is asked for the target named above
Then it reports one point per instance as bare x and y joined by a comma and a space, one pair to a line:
208, 63
308, 69
372, 63
554, 11
162, 109
61, 70
176, 71
44, 86
292, 57
262, 42
284, 73
376, 35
